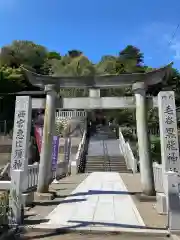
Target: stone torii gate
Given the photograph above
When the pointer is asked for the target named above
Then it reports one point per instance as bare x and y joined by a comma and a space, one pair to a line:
139, 83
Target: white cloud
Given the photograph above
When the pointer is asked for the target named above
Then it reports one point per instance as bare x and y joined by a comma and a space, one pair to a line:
175, 47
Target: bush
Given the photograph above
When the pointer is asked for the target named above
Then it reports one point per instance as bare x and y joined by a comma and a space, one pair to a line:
128, 134
155, 146
155, 149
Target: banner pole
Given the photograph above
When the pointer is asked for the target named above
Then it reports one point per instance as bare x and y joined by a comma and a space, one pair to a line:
55, 181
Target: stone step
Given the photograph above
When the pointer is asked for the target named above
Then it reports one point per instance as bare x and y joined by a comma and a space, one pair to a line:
101, 166
105, 160
119, 168
106, 164
101, 163
105, 170
95, 168
109, 158
98, 161
108, 169
117, 161
95, 159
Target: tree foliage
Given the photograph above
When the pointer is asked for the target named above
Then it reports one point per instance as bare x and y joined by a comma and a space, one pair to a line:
74, 63
132, 53
23, 53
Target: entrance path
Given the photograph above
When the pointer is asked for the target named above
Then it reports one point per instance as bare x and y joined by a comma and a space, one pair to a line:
101, 203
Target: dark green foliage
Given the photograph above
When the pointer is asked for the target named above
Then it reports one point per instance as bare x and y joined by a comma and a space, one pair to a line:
37, 58
155, 149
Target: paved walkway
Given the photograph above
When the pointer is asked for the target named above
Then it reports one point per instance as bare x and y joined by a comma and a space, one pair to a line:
100, 202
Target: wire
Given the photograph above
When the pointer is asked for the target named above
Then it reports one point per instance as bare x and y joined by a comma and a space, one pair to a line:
172, 38
174, 34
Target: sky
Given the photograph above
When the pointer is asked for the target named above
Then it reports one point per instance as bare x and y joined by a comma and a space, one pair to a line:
96, 27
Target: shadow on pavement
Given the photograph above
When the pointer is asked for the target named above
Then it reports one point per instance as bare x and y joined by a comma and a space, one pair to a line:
47, 203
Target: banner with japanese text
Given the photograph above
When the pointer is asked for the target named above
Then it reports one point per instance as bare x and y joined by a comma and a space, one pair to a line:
55, 151
55, 145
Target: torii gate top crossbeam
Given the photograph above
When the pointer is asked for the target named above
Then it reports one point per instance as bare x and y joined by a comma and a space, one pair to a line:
105, 81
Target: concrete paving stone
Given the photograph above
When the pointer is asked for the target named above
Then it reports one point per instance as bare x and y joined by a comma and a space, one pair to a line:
124, 215
39, 212
63, 212
88, 236
99, 208
100, 228
104, 212
96, 208
146, 208
125, 199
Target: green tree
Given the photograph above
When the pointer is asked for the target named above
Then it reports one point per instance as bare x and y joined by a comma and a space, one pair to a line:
132, 53
23, 53
37, 58
108, 65
53, 55
74, 53
11, 79
72, 65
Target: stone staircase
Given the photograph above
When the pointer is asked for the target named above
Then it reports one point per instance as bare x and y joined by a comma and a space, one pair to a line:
106, 163
104, 153
95, 164
118, 164
103, 133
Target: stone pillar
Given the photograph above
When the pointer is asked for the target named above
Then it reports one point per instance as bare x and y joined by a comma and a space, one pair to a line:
146, 169
48, 131
95, 93
19, 157
94, 96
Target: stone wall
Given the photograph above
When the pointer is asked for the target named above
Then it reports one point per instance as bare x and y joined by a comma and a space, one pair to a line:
5, 150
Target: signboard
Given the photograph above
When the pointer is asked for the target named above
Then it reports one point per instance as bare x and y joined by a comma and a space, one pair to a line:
173, 201
168, 131
19, 156
21, 134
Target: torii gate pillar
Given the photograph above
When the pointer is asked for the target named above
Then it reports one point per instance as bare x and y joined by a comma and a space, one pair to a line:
146, 170
94, 93
46, 151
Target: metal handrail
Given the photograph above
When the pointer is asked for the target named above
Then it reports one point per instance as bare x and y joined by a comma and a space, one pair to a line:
104, 155
107, 164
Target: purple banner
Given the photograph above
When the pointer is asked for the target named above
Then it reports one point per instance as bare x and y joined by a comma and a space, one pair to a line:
55, 151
